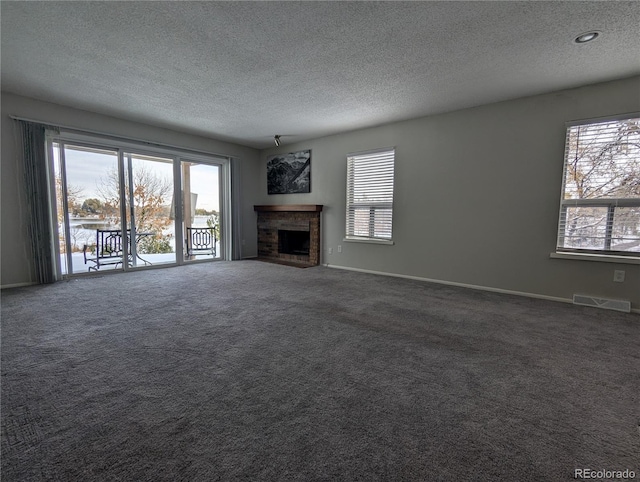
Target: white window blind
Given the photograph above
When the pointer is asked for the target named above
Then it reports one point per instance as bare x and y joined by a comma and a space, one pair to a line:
600, 205
370, 195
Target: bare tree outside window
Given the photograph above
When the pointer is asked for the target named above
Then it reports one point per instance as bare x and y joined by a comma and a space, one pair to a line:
151, 198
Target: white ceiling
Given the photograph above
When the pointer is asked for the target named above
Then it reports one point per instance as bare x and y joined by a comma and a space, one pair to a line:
244, 71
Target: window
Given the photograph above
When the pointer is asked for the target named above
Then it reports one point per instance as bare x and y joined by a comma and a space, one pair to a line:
370, 195
600, 206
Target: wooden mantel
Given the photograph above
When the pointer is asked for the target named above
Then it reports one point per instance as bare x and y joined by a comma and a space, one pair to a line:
289, 207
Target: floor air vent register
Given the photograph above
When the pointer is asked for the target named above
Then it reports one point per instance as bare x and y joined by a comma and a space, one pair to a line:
617, 305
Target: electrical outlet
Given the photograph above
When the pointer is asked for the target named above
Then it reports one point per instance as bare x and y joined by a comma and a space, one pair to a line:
244, 242
339, 248
618, 276
330, 250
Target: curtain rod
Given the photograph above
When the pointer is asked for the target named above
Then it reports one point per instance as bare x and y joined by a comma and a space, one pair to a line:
121, 138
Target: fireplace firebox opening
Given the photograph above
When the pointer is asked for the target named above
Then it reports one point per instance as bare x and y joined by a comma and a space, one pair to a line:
293, 242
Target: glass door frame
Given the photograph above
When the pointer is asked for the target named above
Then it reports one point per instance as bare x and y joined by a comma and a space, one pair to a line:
122, 148
224, 194
126, 199
51, 139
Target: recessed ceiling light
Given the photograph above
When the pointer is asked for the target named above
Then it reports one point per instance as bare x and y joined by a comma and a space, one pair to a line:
586, 37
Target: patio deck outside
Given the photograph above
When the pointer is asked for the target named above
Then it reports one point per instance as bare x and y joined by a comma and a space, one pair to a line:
87, 235
154, 259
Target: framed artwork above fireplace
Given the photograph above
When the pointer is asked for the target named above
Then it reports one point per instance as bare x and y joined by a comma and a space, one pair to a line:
289, 173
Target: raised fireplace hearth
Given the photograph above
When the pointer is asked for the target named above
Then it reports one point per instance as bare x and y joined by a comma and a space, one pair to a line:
289, 233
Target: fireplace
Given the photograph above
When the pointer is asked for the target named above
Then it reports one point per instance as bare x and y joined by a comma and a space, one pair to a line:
289, 234
293, 242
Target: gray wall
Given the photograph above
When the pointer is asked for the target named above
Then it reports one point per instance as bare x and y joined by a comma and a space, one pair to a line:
15, 262
477, 195
477, 191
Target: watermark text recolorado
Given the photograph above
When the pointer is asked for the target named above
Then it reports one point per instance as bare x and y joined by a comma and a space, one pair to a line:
603, 474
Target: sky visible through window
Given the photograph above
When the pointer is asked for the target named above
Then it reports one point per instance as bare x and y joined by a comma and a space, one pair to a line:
86, 170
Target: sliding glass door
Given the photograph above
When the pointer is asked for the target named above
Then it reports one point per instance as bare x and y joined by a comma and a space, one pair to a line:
117, 208
201, 207
87, 201
148, 187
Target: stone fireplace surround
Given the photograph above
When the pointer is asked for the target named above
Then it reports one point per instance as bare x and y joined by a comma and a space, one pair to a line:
288, 217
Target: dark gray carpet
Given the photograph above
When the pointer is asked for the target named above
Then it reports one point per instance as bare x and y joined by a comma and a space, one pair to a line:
256, 371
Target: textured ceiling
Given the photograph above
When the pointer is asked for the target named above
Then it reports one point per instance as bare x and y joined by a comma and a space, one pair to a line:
244, 71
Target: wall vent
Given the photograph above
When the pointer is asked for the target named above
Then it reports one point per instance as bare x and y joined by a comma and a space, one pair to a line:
617, 305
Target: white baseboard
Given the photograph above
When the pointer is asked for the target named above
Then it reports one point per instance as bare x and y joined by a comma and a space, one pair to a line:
17, 285
462, 285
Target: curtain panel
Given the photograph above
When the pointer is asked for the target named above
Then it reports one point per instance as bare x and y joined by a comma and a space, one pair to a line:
34, 162
236, 203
